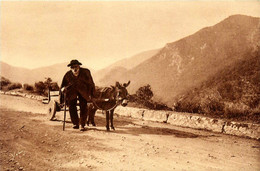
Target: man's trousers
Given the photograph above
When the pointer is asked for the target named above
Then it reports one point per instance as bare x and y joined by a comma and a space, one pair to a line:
73, 111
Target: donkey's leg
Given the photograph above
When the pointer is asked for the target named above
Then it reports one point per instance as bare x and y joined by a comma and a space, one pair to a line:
107, 119
92, 116
111, 119
89, 113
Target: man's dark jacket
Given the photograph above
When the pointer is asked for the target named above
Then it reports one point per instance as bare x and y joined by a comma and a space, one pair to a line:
83, 84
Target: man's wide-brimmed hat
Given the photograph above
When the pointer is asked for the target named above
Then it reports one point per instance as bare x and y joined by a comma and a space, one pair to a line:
74, 62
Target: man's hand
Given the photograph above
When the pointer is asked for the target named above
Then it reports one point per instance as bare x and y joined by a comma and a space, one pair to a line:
62, 105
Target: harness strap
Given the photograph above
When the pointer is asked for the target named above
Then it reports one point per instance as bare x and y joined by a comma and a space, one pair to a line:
95, 104
100, 97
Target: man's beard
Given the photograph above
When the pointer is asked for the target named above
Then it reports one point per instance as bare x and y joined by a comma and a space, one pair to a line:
75, 73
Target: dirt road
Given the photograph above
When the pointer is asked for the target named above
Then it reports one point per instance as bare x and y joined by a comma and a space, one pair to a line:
29, 141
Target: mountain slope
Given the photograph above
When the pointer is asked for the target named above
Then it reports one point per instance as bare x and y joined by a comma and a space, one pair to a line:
14, 74
185, 64
114, 72
23, 75
233, 92
55, 72
103, 75
135, 60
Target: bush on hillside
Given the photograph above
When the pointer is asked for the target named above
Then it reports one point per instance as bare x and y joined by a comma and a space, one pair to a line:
54, 86
232, 94
13, 86
205, 103
28, 87
143, 98
4, 82
50, 85
144, 93
42, 88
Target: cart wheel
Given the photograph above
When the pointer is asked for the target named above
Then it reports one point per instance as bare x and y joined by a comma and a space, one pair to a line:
52, 110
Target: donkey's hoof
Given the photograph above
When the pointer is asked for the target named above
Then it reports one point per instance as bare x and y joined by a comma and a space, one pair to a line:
83, 129
112, 127
108, 129
93, 124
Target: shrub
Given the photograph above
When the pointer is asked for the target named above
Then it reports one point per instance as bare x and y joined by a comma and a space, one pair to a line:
188, 106
143, 98
4, 82
235, 110
207, 102
54, 86
13, 86
43, 87
144, 93
40, 87
28, 87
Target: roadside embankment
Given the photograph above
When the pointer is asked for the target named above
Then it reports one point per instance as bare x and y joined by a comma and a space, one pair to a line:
16, 93
193, 121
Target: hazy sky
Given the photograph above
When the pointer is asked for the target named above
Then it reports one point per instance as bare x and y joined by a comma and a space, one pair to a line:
37, 33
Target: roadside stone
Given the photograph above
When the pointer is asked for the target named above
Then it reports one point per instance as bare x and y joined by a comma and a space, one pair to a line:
138, 113
158, 116
242, 129
192, 121
130, 112
195, 121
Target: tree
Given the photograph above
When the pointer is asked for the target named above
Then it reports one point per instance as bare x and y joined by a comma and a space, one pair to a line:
40, 87
43, 87
54, 86
13, 86
4, 82
48, 82
143, 98
145, 93
28, 87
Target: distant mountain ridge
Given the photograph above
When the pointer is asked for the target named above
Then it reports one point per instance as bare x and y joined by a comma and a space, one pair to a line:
15, 74
135, 60
30, 76
121, 66
57, 71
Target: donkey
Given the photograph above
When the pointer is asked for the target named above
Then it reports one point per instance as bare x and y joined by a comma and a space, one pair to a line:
107, 99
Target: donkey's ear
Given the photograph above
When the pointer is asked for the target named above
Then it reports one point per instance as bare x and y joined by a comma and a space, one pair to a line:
126, 84
118, 84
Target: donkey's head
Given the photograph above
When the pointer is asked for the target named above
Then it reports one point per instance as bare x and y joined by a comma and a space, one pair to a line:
122, 93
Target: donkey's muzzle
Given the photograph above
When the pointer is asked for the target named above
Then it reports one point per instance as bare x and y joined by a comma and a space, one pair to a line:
124, 102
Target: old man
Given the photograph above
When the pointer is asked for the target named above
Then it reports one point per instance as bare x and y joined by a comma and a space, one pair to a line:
78, 84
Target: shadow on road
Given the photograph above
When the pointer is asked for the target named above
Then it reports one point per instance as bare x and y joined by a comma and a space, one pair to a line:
156, 131
125, 125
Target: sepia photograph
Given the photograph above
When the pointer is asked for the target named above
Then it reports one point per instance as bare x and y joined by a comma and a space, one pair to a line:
100, 85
